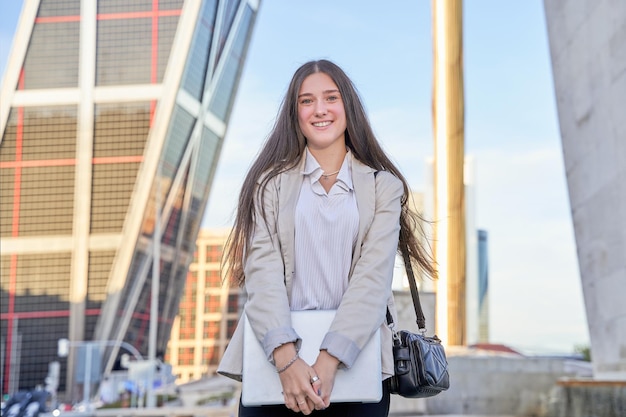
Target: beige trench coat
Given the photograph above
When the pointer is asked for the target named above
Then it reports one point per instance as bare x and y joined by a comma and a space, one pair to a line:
269, 268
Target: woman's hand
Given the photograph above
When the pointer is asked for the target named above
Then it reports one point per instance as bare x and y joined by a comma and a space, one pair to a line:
296, 381
326, 368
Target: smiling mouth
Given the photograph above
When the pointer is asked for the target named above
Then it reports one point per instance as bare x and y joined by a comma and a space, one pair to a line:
321, 124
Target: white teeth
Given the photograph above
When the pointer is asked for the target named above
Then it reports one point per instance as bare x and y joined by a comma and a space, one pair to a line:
321, 124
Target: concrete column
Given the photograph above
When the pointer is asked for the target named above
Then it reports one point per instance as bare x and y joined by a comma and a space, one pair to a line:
587, 46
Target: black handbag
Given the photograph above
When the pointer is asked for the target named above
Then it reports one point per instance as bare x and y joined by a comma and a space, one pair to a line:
420, 364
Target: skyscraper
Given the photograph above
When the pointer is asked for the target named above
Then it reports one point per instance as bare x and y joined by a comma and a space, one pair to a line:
113, 118
483, 286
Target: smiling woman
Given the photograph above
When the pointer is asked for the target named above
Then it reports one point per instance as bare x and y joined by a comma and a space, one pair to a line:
318, 170
322, 119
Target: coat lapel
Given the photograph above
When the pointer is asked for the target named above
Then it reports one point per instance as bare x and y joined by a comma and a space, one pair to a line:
290, 184
365, 192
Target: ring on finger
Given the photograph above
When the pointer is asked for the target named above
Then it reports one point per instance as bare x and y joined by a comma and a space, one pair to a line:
314, 379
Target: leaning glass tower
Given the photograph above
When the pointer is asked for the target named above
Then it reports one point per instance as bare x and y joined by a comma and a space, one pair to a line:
112, 119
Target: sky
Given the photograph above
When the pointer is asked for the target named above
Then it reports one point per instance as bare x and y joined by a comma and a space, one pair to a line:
511, 133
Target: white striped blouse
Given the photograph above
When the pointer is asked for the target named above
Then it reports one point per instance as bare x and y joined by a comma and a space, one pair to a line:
326, 227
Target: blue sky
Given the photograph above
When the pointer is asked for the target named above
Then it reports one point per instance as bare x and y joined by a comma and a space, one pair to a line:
511, 132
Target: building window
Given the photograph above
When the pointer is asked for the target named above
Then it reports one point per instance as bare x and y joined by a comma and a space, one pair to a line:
185, 356
233, 303
213, 279
212, 303
52, 56
209, 356
232, 325
211, 330
213, 253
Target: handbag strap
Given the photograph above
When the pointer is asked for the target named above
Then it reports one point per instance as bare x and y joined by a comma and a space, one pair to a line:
417, 305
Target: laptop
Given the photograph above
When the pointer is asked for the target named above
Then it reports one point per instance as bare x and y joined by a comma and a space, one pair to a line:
261, 384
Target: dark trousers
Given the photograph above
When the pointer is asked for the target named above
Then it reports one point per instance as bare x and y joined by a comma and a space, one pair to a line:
379, 409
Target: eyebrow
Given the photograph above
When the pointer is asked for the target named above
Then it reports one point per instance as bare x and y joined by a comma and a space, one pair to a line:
323, 92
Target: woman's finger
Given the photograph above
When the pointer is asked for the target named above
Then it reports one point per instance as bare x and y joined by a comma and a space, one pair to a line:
299, 393
316, 384
304, 406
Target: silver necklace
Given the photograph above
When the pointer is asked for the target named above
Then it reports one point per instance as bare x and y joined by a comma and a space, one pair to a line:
331, 174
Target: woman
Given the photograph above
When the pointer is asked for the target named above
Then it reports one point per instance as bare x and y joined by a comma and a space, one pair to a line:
318, 224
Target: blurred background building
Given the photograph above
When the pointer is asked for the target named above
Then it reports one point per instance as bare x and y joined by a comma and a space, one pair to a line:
112, 120
208, 314
483, 286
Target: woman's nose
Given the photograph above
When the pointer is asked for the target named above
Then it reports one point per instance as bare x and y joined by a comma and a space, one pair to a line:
320, 108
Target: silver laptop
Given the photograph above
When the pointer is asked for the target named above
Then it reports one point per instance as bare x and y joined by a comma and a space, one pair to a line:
261, 384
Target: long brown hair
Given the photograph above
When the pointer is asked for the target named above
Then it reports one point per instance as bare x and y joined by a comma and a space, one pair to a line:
283, 150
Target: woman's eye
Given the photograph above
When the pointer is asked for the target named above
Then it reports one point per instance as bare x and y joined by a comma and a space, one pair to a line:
306, 101
332, 98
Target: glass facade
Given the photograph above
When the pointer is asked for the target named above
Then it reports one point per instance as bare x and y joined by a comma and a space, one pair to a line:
177, 141
36, 298
38, 171
52, 56
124, 51
198, 61
119, 139
72, 173
221, 103
134, 40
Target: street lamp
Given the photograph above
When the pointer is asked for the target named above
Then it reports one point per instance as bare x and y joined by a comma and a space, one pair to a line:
63, 350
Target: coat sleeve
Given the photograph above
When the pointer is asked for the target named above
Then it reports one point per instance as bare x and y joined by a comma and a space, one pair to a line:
363, 306
267, 307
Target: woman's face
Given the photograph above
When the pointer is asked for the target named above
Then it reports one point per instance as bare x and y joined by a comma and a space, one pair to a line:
321, 115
